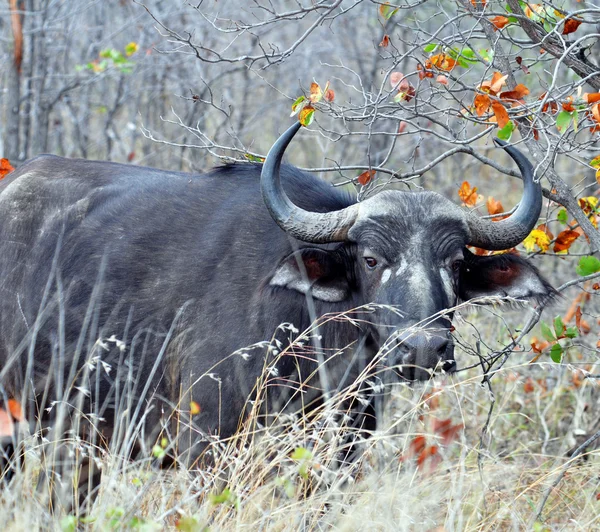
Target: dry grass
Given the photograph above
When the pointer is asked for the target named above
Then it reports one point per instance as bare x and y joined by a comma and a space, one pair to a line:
289, 476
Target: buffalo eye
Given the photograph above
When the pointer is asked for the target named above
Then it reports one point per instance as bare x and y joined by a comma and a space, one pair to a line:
370, 262
456, 266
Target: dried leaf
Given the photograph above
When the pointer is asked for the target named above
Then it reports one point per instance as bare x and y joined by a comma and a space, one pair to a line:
467, 194
578, 318
519, 61
7, 424
385, 42
446, 430
564, 241
398, 81
571, 26
499, 22
443, 80
495, 207
443, 62
5, 168
482, 103
591, 97
498, 81
315, 93
501, 114
366, 177
516, 94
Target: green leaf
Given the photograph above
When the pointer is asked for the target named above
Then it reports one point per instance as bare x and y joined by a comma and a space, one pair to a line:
562, 216
307, 115
556, 353
506, 132
158, 452
559, 326
487, 55
547, 332
430, 48
575, 119
254, 158
296, 105
226, 496
68, 523
301, 453
588, 266
595, 162
189, 523
563, 120
571, 332
131, 48
387, 11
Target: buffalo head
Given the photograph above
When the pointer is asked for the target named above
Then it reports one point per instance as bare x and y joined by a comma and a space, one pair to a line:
406, 252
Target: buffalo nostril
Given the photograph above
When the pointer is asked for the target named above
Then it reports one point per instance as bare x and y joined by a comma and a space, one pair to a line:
426, 351
449, 366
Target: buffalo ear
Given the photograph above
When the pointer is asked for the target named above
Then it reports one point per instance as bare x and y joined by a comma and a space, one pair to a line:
502, 275
313, 271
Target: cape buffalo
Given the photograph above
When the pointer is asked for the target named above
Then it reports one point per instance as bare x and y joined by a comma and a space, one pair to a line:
130, 292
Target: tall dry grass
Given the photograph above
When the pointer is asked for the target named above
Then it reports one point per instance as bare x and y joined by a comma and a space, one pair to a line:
429, 465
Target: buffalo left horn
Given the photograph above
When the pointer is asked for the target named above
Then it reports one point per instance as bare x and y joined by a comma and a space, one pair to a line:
511, 231
318, 228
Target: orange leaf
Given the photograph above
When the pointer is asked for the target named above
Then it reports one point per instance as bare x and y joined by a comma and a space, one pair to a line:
596, 112
194, 408
329, 95
571, 26
568, 104
591, 97
443, 62
6, 424
564, 240
482, 103
426, 453
365, 177
415, 447
315, 92
467, 194
516, 94
423, 72
499, 22
443, 80
529, 385
578, 318
501, 114
446, 430
495, 207
385, 42
14, 407
5, 167
498, 80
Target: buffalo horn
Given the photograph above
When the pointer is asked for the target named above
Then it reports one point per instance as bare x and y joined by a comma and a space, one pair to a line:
511, 231
318, 228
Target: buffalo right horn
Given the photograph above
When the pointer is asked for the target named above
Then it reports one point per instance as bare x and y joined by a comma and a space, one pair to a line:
318, 228
507, 233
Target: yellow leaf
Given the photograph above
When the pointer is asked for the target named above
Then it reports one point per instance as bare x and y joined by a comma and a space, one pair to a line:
537, 238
